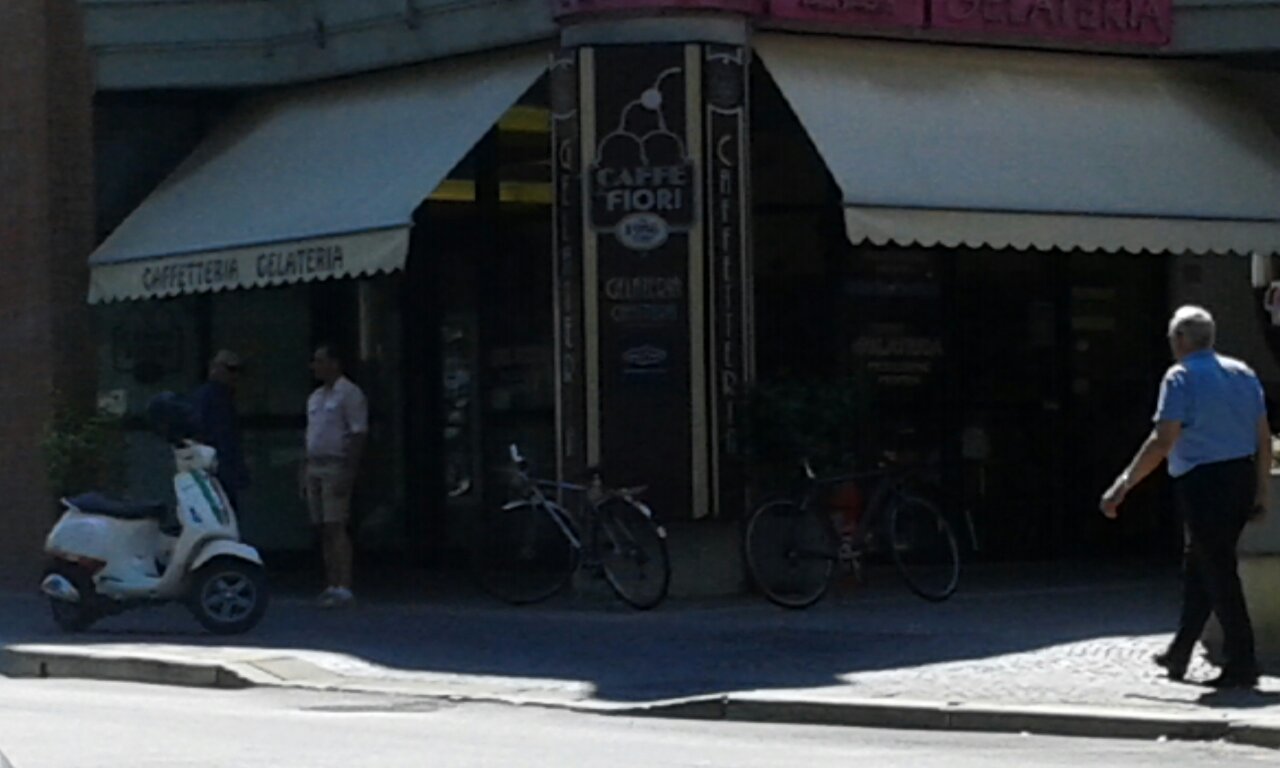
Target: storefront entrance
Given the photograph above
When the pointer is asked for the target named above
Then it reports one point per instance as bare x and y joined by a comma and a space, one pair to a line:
1026, 378
477, 332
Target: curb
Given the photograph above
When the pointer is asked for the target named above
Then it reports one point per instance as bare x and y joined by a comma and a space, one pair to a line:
47, 664
745, 708
1043, 721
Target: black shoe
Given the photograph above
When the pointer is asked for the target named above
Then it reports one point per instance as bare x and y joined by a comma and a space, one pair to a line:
1235, 678
1175, 666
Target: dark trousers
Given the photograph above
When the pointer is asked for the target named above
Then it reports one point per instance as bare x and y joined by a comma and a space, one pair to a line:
1215, 501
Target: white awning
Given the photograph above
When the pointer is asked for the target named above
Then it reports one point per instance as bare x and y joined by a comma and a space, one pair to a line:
949, 145
317, 182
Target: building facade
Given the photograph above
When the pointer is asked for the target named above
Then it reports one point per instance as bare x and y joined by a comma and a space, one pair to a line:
635, 234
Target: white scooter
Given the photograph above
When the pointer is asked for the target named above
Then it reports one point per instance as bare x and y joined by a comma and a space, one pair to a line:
108, 556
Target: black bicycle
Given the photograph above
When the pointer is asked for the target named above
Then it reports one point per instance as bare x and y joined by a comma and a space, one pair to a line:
793, 547
529, 549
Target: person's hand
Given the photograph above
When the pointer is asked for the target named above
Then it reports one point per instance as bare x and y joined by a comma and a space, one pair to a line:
1114, 497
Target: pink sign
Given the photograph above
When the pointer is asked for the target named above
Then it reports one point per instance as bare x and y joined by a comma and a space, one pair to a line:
862, 13
1125, 22
571, 7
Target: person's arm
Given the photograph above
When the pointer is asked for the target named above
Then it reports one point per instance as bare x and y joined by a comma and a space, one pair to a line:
1262, 498
357, 416
302, 465
1155, 449
1171, 413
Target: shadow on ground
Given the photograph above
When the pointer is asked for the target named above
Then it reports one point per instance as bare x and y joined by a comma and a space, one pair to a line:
684, 648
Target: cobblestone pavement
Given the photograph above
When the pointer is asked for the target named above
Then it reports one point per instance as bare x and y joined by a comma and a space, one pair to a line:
1008, 641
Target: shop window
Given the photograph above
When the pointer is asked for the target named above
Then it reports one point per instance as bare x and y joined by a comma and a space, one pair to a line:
477, 319
270, 330
145, 348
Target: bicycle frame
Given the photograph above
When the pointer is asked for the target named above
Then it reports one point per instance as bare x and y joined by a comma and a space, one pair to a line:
889, 482
588, 509
530, 560
792, 545
559, 515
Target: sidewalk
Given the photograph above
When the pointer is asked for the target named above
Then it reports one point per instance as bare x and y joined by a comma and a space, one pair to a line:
1034, 650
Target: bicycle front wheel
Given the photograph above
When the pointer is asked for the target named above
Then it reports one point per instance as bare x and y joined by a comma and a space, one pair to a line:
924, 548
633, 554
791, 553
522, 555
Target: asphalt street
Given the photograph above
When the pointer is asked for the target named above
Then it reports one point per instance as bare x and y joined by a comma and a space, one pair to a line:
66, 724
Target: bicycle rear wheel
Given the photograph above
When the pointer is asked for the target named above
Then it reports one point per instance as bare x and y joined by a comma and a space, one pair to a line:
791, 553
924, 548
633, 553
521, 555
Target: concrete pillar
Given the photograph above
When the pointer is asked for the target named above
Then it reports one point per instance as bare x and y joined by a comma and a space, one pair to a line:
46, 233
1259, 557
653, 269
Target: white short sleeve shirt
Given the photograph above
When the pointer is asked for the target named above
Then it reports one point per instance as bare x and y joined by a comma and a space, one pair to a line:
334, 415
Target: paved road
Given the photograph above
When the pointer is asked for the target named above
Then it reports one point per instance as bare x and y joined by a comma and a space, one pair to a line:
67, 724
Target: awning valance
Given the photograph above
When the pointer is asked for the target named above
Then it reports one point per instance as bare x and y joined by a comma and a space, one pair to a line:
949, 145
318, 182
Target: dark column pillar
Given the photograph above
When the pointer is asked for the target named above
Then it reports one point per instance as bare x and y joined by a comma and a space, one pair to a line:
730, 310
653, 278
46, 233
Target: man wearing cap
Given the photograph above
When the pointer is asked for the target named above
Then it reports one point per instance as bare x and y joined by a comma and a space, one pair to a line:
217, 423
1211, 425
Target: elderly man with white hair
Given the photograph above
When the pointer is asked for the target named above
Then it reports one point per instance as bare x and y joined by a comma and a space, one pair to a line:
1211, 425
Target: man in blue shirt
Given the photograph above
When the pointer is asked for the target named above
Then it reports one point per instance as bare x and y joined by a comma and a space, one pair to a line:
1211, 425
217, 423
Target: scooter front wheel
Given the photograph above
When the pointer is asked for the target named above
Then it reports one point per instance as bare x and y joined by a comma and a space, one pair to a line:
229, 596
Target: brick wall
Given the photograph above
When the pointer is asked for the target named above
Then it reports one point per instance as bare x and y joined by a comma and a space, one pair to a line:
46, 233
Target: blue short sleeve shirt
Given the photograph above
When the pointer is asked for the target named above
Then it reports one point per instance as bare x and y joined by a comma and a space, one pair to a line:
1218, 401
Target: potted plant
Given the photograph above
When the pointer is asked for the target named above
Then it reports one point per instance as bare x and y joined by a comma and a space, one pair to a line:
791, 419
83, 449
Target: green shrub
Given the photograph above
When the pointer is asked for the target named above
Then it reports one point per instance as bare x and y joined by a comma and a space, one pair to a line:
83, 450
792, 419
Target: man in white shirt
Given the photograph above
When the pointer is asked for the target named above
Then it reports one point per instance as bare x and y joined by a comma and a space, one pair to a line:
337, 426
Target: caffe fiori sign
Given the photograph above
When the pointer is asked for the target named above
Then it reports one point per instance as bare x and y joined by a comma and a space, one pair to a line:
642, 204
642, 231
663, 189
642, 181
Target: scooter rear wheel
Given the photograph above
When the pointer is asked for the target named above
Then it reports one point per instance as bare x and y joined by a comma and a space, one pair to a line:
80, 615
228, 596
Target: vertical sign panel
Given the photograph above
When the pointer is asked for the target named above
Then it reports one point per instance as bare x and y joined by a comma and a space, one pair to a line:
725, 73
570, 342
643, 207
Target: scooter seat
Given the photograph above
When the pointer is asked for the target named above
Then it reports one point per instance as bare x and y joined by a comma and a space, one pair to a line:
98, 504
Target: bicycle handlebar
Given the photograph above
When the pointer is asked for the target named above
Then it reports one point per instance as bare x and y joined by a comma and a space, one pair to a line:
522, 475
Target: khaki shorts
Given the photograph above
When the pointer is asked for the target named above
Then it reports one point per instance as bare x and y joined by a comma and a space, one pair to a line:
327, 500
